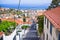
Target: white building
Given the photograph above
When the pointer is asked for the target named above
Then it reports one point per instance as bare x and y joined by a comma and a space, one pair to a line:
52, 24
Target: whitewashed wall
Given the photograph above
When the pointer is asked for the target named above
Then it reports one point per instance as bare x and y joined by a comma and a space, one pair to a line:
10, 37
47, 31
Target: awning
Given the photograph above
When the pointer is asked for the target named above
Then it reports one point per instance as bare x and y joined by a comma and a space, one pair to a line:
25, 4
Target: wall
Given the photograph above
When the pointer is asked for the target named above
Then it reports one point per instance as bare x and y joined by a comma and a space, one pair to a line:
54, 35
10, 37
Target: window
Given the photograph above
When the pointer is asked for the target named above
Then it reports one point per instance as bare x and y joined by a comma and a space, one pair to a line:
47, 23
51, 28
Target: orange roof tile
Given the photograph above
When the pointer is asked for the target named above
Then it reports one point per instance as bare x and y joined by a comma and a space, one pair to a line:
54, 16
18, 21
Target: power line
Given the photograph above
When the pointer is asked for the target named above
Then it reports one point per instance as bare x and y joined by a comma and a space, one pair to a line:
19, 4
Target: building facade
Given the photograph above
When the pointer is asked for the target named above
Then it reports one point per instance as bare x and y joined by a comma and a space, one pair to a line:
52, 24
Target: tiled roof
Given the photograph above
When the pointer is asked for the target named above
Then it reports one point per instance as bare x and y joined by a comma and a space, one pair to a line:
18, 21
39, 14
54, 16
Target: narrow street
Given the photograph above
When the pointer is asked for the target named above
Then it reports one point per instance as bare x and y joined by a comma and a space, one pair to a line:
32, 34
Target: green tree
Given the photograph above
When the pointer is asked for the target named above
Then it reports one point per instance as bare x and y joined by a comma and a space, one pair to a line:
54, 4
6, 26
24, 18
10, 10
18, 12
40, 23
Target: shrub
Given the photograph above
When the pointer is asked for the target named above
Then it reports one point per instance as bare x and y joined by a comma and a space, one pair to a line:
40, 23
25, 26
5, 26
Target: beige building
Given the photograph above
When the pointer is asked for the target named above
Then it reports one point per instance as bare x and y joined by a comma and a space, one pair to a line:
52, 24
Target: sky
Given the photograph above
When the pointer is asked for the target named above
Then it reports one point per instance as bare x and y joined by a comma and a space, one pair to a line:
27, 3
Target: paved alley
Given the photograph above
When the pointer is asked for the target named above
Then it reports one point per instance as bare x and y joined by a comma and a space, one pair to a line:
32, 34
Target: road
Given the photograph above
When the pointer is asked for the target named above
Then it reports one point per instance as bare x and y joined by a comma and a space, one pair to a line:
32, 34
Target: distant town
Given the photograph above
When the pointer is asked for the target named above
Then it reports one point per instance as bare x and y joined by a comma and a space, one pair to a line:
21, 18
